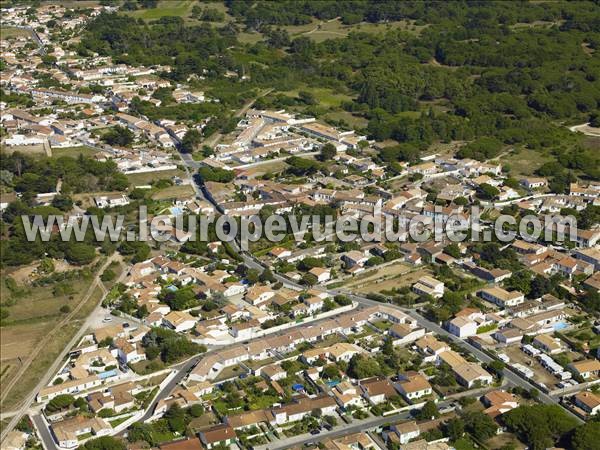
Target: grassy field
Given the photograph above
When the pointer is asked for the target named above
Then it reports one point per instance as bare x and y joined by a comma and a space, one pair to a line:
326, 97
173, 191
386, 278
34, 312
73, 152
525, 162
352, 120
13, 32
272, 167
320, 31
77, 3
332, 29
38, 368
30, 150
138, 179
20, 339
179, 8
249, 38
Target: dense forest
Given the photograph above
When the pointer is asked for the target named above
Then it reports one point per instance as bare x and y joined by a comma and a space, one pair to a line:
511, 71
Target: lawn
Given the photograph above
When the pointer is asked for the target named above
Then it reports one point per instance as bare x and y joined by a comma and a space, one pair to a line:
181, 8
325, 97
383, 325
262, 402
230, 372
73, 152
120, 420
270, 167
352, 120
140, 179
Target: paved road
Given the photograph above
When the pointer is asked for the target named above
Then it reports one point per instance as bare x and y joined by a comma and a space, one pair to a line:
340, 430
44, 433
509, 374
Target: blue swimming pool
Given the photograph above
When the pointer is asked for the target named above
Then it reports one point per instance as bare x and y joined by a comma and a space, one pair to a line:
559, 326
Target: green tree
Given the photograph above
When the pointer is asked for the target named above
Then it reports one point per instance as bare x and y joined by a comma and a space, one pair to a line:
216, 174
586, 437
480, 425
428, 411
60, 402
363, 366
328, 151
488, 192
79, 253
539, 426
454, 428
190, 141
104, 443
267, 276
309, 279
118, 136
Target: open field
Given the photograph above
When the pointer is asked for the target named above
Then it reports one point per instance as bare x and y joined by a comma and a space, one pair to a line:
13, 32
505, 440
179, 8
332, 29
273, 167
592, 142
34, 312
524, 162
325, 97
173, 191
444, 149
73, 152
389, 277
30, 150
536, 24
76, 3
320, 31
344, 116
249, 38
137, 179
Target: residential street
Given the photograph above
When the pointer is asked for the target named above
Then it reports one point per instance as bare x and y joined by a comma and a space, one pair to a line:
341, 429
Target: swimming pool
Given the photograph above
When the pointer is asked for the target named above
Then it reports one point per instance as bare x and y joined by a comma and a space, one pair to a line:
560, 326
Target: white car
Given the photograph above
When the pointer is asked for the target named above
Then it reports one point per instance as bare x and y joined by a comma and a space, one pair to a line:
107, 319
